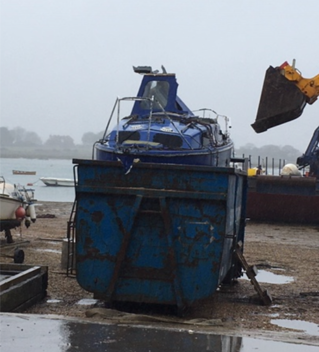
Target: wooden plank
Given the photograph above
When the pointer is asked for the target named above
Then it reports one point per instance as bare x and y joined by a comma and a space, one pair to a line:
18, 278
23, 289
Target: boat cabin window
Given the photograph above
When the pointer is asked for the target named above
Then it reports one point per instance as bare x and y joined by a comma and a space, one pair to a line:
158, 89
168, 141
131, 135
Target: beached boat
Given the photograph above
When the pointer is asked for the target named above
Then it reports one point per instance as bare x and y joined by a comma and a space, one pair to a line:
283, 198
16, 206
19, 172
162, 129
57, 182
8, 207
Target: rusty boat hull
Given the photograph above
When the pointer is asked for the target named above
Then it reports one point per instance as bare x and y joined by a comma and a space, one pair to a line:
290, 199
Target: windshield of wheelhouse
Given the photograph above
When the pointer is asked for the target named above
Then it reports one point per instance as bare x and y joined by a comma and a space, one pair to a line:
157, 89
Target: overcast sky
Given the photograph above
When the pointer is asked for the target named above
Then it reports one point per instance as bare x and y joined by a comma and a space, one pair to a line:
64, 62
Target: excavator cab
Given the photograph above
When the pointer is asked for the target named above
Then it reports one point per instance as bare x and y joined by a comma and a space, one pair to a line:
284, 95
281, 101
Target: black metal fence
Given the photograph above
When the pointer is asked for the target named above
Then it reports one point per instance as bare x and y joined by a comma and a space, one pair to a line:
269, 166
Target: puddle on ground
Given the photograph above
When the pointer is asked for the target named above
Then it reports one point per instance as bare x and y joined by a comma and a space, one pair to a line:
49, 250
53, 301
54, 243
301, 325
34, 333
87, 302
271, 278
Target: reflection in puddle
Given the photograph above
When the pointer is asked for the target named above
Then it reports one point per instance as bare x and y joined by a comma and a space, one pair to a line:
271, 278
37, 334
250, 345
27, 333
305, 326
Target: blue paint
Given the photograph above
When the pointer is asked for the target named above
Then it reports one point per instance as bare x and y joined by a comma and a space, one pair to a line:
162, 129
159, 234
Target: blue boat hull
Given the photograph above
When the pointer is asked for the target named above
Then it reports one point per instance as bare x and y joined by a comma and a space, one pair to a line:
214, 157
160, 234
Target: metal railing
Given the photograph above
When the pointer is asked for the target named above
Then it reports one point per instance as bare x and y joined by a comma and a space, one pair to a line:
270, 166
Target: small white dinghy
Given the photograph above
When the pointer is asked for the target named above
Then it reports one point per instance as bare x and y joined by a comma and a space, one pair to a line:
16, 205
57, 182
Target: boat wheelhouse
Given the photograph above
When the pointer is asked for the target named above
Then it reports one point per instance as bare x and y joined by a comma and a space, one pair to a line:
162, 129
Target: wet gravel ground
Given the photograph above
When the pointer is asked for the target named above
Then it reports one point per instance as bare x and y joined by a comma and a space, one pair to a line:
284, 250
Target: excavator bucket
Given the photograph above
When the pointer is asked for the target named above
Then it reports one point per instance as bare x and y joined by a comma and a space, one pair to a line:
281, 101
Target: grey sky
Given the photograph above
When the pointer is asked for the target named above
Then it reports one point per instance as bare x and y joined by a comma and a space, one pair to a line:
63, 62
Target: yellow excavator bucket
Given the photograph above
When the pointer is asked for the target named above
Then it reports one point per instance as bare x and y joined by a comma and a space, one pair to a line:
281, 101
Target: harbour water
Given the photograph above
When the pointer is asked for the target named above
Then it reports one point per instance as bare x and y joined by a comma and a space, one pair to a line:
44, 168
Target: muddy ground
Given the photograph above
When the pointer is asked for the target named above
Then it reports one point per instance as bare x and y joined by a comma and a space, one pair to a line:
292, 251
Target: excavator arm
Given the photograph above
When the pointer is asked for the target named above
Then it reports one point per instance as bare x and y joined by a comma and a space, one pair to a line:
285, 94
311, 156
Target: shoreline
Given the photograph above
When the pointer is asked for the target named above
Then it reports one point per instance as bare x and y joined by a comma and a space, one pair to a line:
77, 152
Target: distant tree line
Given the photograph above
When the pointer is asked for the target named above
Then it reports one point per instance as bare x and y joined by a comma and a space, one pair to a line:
286, 152
20, 137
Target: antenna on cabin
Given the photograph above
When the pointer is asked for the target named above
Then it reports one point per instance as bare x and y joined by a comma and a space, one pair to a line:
163, 69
